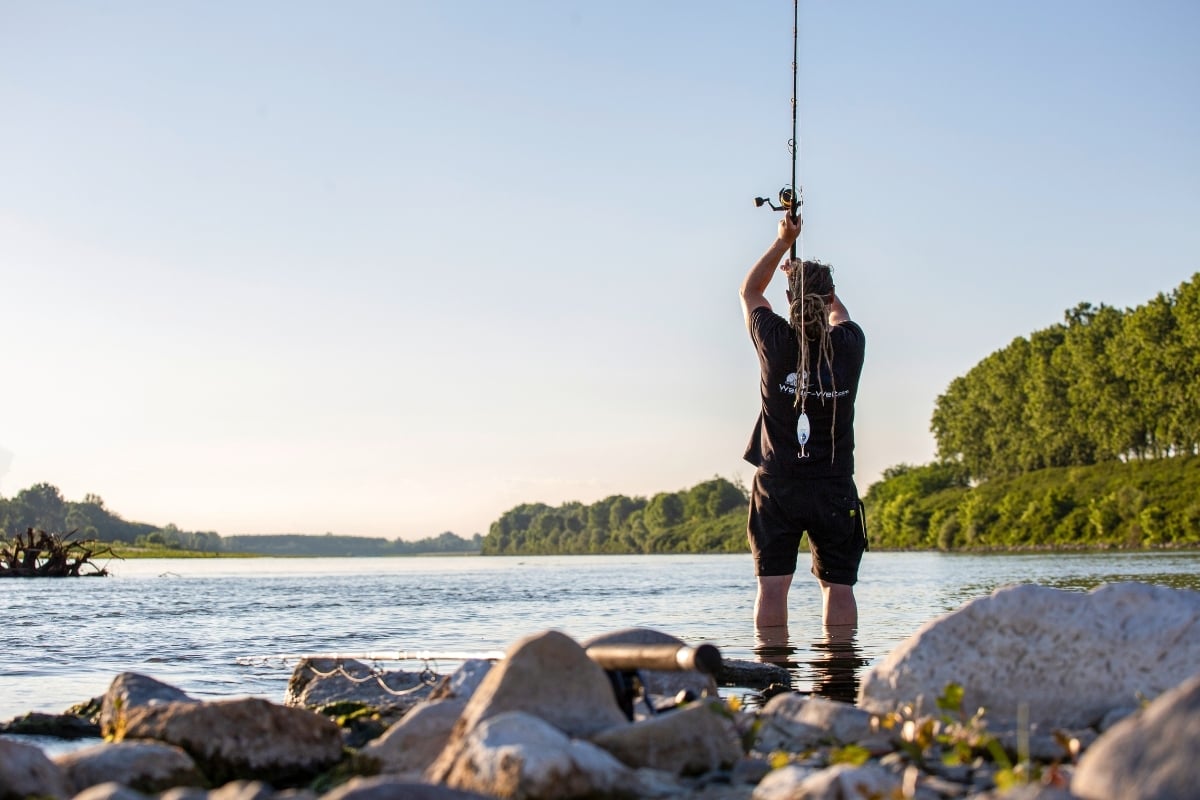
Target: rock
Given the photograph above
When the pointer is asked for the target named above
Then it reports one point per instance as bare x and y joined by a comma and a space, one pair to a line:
463, 682
25, 770
812, 720
1149, 755
110, 791
1068, 658
517, 755
143, 766
235, 790
321, 681
60, 726
660, 684
688, 741
413, 743
130, 690
754, 675
839, 782
547, 675
783, 783
247, 738
392, 788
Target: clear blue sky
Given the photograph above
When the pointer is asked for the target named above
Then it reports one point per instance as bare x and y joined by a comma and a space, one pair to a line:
392, 268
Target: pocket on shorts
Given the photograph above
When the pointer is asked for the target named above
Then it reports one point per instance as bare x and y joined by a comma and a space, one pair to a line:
862, 524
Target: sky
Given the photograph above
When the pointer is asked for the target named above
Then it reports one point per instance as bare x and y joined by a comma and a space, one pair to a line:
393, 268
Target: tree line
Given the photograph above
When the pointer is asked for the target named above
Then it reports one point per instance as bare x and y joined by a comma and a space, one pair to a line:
42, 507
708, 518
1086, 433
1103, 385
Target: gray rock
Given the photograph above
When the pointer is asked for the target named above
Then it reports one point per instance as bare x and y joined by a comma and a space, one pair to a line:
25, 770
753, 674
793, 722
1116, 715
413, 743
518, 755
147, 767
783, 783
110, 791
391, 788
691, 740
1068, 658
242, 790
547, 675
463, 682
247, 738
130, 690
317, 682
1149, 755
839, 782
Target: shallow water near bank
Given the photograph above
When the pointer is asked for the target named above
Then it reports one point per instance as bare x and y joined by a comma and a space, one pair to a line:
221, 628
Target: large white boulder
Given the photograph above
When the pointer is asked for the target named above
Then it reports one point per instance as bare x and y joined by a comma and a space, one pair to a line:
1067, 657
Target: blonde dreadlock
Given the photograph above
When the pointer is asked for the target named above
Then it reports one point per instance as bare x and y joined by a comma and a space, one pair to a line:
810, 285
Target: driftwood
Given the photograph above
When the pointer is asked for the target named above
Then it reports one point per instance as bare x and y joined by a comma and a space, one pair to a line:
39, 554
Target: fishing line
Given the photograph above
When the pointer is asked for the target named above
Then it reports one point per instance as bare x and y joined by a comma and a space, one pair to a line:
791, 198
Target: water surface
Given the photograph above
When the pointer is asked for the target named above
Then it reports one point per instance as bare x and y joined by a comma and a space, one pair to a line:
233, 627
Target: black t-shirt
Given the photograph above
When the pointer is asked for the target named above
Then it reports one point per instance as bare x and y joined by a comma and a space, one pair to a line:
774, 447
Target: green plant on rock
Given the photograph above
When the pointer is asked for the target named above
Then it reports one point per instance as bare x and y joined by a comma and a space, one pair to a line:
957, 739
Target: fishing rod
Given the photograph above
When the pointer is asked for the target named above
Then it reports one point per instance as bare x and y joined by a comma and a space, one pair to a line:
705, 658
791, 197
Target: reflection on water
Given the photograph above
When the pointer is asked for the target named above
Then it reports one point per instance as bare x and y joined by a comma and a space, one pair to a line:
831, 664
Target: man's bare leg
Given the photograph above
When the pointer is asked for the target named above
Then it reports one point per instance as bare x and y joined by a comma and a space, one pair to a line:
770, 606
839, 605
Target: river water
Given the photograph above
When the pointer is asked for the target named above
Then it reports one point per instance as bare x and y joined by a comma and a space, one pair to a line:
234, 627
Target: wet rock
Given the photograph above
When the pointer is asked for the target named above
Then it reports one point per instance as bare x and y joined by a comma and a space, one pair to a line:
60, 726
392, 788
517, 755
26, 771
1149, 755
754, 675
463, 682
547, 675
661, 685
322, 681
128, 691
247, 738
1026, 647
688, 741
413, 743
143, 766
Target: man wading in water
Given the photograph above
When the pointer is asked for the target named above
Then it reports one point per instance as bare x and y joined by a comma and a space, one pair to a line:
803, 443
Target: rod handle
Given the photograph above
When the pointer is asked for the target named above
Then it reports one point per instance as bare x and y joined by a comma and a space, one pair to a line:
704, 658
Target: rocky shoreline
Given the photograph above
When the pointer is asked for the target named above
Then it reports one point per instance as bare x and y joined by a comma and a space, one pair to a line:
1029, 693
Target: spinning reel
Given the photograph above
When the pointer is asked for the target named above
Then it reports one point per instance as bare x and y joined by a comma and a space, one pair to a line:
789, 200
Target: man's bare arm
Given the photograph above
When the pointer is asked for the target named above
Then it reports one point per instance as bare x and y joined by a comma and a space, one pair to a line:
754, 285
837, 312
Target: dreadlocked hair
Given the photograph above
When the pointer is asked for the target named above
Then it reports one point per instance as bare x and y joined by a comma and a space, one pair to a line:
810, 284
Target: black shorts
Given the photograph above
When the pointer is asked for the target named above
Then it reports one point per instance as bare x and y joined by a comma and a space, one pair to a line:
782, 510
